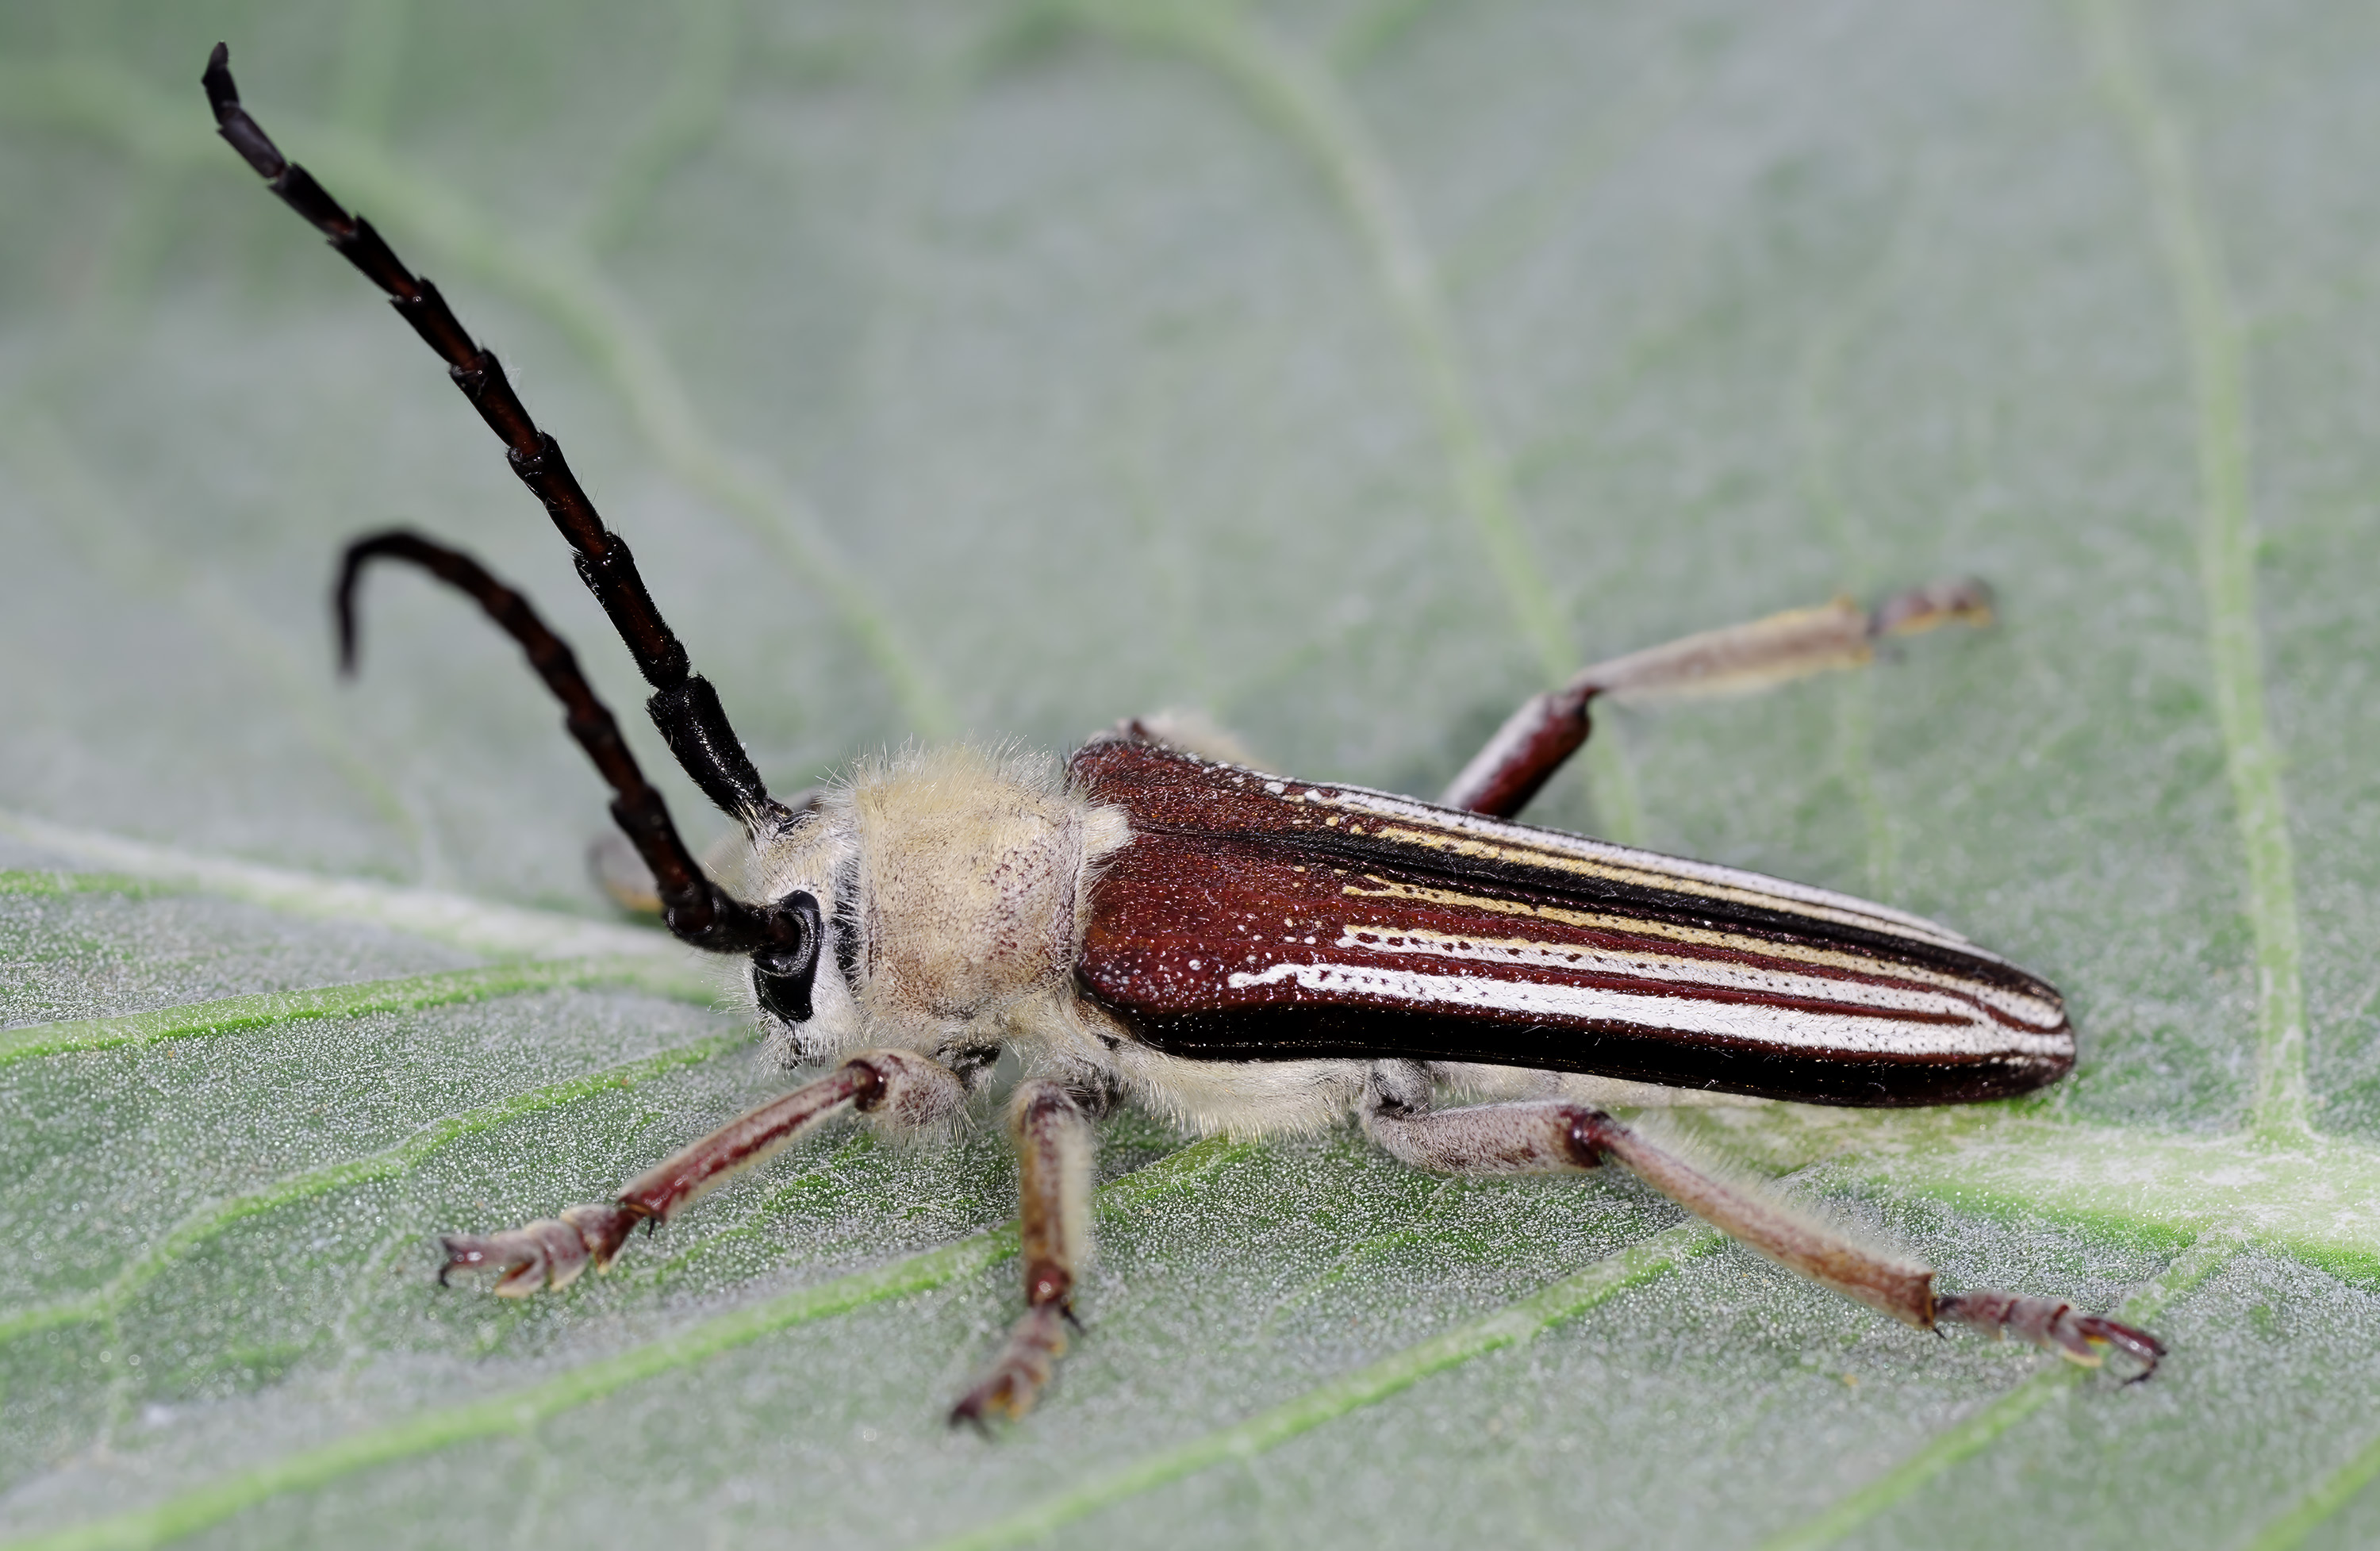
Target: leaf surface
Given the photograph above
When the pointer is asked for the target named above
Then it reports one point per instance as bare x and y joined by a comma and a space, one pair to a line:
1347, 371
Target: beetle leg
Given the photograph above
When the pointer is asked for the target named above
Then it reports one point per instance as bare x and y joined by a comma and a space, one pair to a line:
2052, 1324
894, 1086
1547, 1137
1053, 1178
1480, 1082
1531, 1136
1548, 728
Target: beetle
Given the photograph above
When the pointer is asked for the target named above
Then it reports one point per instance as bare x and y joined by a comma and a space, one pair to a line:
1154, 921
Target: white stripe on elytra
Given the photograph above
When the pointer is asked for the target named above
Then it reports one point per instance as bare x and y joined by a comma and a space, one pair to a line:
1785, 1029
1896, 995
1632, 926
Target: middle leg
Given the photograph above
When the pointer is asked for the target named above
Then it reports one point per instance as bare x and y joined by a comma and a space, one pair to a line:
1550, 1136
1051, 1124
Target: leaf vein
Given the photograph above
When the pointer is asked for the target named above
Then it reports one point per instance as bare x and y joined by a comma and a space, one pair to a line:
205, 1222
517, 1410
199, 1020
2226, 558
1513, 1324
1977, 1431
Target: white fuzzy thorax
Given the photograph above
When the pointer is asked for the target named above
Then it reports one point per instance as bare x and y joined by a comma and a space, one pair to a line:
967, 871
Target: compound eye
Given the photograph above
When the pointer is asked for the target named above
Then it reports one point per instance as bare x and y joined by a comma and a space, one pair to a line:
782, 975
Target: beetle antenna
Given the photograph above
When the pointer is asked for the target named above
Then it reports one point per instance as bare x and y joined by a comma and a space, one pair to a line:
683, 706
698, 911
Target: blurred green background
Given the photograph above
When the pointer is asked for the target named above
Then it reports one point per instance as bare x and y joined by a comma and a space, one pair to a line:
1343, 370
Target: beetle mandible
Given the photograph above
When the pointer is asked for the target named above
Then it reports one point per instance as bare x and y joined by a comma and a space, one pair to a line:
1154, 923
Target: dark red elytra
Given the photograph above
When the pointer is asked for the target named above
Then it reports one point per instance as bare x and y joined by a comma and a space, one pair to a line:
1253, 918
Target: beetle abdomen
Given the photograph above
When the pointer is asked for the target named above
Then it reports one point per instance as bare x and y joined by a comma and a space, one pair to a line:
1254, 918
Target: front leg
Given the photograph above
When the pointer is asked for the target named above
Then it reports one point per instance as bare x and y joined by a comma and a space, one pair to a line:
1052, 1131
1549, 1137
895, 1085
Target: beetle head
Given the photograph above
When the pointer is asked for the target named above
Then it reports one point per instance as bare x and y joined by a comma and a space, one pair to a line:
807, 994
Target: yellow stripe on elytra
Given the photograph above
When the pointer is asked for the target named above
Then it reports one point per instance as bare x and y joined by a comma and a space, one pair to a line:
1997, 996
1403, 820
1456, 943
1669, 882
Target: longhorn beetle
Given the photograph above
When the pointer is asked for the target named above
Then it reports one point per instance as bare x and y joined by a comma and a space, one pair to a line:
1154, 923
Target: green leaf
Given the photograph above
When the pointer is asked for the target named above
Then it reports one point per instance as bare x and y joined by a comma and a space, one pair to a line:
1346, 372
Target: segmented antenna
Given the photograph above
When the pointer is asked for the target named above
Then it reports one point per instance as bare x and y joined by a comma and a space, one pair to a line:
683, 706
697, 910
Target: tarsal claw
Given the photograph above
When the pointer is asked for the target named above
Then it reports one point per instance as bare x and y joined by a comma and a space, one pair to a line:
551, 1252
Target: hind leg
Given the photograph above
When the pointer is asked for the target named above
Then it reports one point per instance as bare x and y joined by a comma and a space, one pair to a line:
1549, 728
1550, 1136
